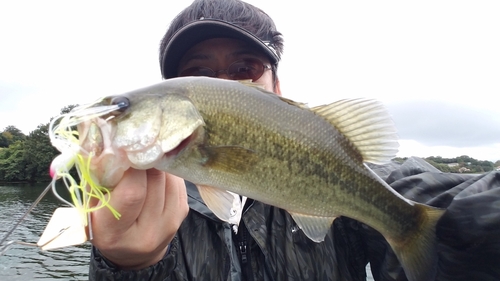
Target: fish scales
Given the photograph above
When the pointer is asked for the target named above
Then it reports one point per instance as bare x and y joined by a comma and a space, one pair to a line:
273, 147
316, 155
224, 135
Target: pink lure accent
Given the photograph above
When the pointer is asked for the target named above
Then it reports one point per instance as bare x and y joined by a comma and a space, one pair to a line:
60, 161
52, 170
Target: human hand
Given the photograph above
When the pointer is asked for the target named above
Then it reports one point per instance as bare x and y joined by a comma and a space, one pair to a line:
152, 205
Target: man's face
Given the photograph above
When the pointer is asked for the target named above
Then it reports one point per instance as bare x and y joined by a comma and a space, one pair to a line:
219, 53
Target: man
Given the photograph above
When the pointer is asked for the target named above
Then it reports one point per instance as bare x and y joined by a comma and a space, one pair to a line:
157, 238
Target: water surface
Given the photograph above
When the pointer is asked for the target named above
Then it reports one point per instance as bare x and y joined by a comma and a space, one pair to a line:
22, 263
30, 263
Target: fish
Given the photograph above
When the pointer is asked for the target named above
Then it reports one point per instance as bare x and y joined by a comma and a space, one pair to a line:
233, 137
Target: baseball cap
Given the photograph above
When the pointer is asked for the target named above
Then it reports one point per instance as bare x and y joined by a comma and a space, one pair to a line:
174, 46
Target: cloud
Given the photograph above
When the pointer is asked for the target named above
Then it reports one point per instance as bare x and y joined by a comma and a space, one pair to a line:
441, 123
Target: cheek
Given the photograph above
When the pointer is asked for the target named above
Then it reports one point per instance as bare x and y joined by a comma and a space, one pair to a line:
267, 80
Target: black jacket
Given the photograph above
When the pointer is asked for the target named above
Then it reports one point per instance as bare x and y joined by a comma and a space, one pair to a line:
270, 246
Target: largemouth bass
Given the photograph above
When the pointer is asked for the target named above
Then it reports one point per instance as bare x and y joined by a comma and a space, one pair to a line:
227, 136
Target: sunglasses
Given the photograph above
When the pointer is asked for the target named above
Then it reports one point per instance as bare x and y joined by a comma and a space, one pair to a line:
244, 69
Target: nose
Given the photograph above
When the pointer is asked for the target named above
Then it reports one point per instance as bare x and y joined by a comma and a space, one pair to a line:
222, 74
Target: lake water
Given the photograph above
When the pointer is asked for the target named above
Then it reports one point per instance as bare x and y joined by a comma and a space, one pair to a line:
22, 263
29, 263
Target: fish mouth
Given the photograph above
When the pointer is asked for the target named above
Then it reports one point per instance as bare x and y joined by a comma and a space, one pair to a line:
181, 146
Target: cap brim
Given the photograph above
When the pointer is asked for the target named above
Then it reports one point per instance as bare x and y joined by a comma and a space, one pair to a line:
198, 31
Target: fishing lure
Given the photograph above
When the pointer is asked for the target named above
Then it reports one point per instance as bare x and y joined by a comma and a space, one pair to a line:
65, 139
63, 229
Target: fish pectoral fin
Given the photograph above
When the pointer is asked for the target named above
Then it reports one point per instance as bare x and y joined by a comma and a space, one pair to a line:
234, 159
224, 204
314, 227
65, 228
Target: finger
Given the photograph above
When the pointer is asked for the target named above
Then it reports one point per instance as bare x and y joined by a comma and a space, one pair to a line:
175, 193
176, 205
127, 198
155, 197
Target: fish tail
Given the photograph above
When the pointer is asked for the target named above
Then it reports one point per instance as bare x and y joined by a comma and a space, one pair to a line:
418, 252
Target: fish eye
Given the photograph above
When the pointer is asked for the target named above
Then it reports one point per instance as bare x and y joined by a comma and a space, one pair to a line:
122, 102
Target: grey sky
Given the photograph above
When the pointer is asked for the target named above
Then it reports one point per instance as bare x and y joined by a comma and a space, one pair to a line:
444, 123
434, 63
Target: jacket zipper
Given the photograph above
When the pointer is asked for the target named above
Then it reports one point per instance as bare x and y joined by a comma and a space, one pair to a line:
246, 266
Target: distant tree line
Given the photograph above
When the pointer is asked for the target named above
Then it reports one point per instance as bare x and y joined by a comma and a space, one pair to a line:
27, 158
461, 164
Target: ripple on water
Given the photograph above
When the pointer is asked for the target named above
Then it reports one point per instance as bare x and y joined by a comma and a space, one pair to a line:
22, 263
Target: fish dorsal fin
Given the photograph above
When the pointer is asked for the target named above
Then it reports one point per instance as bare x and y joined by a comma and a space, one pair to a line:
315, 228
295, 103
260, 87
224, 204
367, 124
